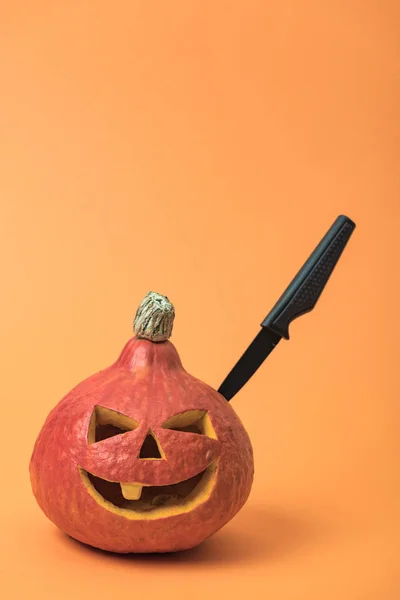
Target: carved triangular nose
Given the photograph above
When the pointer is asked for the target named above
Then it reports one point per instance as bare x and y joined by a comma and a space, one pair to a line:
151, 448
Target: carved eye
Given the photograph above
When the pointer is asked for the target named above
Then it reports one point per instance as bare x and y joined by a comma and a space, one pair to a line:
106, 423
191, 421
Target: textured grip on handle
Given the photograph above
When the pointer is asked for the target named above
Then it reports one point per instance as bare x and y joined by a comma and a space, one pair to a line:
302, 294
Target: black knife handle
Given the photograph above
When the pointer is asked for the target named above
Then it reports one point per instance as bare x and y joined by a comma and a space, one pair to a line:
303, 292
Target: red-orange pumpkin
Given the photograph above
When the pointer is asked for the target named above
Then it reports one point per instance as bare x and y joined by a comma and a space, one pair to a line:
142, 456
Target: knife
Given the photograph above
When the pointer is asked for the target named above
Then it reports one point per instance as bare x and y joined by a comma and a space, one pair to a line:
300, 297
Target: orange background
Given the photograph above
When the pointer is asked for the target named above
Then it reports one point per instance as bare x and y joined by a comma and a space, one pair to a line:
202, 149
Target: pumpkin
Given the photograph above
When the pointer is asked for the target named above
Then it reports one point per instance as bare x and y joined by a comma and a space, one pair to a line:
142, 456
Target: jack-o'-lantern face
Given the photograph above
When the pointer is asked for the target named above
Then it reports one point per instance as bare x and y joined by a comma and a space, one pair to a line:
160, 488
142, 456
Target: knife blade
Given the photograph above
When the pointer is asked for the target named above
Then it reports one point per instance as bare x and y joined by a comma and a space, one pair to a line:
300, 297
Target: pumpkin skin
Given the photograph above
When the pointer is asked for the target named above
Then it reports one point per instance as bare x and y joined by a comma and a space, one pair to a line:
147, 385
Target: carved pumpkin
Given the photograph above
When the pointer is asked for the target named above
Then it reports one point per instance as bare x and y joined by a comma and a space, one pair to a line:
142, 456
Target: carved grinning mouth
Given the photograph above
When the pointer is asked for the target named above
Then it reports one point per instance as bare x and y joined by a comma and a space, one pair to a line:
137, 497
136, 501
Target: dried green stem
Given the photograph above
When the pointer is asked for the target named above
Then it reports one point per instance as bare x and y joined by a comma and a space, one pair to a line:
154, 318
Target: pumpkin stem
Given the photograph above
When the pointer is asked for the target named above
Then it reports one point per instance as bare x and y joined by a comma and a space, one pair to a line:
154, 318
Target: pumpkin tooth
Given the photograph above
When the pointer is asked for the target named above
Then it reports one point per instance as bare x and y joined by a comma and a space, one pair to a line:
131, 491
